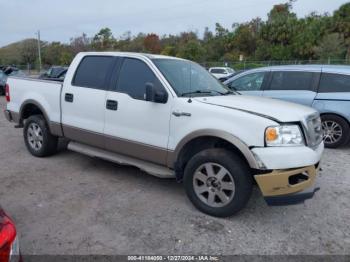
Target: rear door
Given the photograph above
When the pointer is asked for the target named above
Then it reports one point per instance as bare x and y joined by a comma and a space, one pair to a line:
250, 84
293, 86
334, 94
83, 100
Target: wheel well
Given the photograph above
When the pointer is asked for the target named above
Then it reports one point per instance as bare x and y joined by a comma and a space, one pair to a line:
199, 144
30, 110
334, 114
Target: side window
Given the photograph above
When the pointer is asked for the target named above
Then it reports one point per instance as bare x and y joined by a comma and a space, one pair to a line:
334, 83
218, 71
93, 71
291, 81
251, 82
133, 77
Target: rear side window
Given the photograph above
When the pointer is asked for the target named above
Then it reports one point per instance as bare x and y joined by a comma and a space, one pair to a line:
291, 81
93, 71
334, 83
133, 77
218, 71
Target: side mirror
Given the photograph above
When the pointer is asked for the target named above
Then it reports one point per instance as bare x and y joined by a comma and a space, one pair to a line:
155, 95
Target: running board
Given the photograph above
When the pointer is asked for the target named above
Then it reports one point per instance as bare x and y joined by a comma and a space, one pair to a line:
150, 168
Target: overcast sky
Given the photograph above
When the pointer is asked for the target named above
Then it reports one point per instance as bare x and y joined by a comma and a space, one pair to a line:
63, 19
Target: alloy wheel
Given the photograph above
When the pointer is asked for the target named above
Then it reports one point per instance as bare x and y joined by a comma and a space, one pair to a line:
214, 185
332, 132
35, 136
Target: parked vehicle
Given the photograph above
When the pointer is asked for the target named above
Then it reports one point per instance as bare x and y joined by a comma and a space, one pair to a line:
173, 120
55, 73
323, 87
3, 79
225, 78
219, 72
9, 245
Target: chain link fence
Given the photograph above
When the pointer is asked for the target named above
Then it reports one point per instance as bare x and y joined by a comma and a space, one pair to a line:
245, 65
32, 69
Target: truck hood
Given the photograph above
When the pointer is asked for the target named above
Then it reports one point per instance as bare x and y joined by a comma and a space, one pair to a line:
273, 109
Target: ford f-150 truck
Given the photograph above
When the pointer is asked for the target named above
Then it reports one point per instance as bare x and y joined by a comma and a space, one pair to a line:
171, 118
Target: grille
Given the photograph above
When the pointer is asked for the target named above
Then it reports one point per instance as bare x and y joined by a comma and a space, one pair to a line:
314, 130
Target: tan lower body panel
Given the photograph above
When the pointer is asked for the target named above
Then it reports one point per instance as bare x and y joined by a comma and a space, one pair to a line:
277, 183
117, 145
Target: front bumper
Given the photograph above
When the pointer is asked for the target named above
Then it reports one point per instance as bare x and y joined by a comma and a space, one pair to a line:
289, 186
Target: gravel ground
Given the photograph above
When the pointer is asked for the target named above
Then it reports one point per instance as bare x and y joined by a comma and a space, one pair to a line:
73, 204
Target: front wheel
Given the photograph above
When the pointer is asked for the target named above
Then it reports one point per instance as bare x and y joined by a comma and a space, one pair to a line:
37, 137
218, 182
335, 131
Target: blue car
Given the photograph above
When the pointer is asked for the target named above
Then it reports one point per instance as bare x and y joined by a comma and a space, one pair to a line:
323, 87
3, 79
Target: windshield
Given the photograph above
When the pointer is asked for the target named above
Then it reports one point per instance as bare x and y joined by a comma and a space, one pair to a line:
190, 79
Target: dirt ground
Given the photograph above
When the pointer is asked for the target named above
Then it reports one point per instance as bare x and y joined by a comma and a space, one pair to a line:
73, 204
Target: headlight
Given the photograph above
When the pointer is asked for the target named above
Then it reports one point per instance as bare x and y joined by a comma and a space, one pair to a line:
285, 135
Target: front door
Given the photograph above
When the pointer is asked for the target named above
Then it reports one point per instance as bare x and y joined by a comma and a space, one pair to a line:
134, 126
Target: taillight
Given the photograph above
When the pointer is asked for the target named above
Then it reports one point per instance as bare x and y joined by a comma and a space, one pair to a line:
7, 92
7, 239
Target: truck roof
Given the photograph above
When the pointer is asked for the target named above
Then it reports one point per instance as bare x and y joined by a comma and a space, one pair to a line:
318, 68
131, 54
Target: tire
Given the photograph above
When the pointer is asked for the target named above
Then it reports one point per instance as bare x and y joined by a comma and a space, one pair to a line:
37, 137
219, 161
335, 131
2, 90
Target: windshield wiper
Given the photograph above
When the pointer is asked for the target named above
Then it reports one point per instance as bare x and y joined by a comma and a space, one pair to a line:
231, 92
209, 92
196, 92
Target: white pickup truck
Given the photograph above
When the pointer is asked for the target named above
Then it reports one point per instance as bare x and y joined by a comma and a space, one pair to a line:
171, 118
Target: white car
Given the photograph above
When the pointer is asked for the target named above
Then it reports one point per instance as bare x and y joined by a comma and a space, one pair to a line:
219, 72
173, 120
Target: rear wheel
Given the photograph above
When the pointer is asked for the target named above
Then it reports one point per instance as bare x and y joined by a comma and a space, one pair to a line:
335, 131
37, 137
218, 182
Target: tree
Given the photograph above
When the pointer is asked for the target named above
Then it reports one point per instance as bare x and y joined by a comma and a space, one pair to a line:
152, 44
103, 40
192, 50
52, 53
80, 44
169, 50
331, 46
245, 37
341, 19
29, 51
277, 33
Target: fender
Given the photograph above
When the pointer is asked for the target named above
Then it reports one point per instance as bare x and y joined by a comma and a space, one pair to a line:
172, 157
55, 128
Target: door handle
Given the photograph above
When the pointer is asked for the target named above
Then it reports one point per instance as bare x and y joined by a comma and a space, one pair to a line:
69, 97
178, 114
112, 105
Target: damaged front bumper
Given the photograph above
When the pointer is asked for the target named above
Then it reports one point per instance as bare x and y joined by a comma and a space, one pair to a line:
288, 187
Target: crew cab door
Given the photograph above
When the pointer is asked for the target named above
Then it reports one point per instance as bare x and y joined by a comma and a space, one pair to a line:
134, 126
83, 100
293, 86
249, 84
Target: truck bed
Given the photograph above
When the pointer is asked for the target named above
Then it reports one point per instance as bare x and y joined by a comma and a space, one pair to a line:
45, 92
